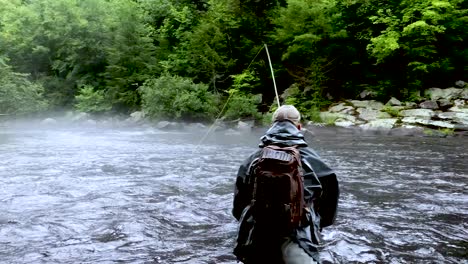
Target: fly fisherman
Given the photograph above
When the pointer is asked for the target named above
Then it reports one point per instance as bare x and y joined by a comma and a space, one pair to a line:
263, 236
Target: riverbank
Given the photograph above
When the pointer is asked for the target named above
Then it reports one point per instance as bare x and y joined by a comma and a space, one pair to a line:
440, 113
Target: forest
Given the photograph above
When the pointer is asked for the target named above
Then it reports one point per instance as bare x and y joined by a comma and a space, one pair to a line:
196, 60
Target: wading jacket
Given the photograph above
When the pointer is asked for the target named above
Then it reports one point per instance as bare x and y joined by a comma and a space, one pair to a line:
321, 193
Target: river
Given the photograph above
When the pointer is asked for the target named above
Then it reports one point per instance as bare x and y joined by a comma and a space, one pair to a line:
95, 194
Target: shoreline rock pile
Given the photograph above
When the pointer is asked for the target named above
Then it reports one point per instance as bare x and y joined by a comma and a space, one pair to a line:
440, 109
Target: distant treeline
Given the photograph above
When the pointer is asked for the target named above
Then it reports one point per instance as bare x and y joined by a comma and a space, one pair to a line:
186, 59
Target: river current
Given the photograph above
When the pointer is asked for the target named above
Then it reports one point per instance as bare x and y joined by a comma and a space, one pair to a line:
99, 194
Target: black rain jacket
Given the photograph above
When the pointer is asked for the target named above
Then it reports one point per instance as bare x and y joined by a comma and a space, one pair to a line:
321, 193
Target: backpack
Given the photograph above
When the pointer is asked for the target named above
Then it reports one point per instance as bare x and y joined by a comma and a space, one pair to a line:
278, 189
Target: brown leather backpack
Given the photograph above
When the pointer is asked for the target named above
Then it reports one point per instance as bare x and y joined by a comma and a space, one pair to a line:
278, 188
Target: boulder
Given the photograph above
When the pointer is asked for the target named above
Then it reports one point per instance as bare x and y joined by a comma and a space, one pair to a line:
341, 108
411, 105
244, 126
421, 113
372, 104
393, 102
444, 104
446, 115
137, 116
426, 122
166, 125
49, 121
367, 94
449, 93
368, 114
80, 116
460, 84
344, 123
464, 94
461, 118
429, 105
387, 123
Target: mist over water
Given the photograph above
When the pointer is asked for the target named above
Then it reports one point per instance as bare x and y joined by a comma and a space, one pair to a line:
95, 194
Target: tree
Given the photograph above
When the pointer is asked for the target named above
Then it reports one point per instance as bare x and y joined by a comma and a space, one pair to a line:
17, 94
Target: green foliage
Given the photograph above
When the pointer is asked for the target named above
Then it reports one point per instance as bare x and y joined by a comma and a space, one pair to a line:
391, 111
319, 48
174, 97
90, 101
242, 106
18, 95
308, 106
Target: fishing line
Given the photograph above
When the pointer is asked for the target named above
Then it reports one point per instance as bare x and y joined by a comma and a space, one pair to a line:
227, 101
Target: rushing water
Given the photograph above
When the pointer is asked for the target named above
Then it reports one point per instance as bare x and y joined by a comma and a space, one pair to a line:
139, 195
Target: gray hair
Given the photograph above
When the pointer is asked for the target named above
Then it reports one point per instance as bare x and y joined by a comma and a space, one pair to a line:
287, 112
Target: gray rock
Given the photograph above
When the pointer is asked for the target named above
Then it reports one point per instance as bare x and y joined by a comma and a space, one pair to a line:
411, 105
368, 114
244, 126
387, 123
464, 94
460, 84
426, 122
461, 118
444, 104
449, 93
341, 108
137, 116
197, 126
344, 123
367, 94
429, 105
49, 121
421, 113
446, 115
79, 117
367, 104
393, 102
166, 125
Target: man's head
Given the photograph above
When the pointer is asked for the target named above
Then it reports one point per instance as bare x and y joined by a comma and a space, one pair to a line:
287, 112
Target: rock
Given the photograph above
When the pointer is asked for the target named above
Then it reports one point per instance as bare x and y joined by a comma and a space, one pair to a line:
446, 115
368, 114
460, 84
421, 113
429, 105
444, 104
344, 123
166, 125
411, 105
461, 118
49, 121
426, 122
367, 94
197, 126
244, 126
137, 116
341, 108
367, 104
464, 94
80, 116
393, 102
387, 123
449, 93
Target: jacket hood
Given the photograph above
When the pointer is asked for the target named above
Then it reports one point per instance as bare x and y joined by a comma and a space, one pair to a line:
283, 133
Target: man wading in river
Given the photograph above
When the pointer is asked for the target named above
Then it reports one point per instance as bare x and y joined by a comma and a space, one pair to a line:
284, 196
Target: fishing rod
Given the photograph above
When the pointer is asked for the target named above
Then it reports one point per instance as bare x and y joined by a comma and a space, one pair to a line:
230, 94
272, 75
